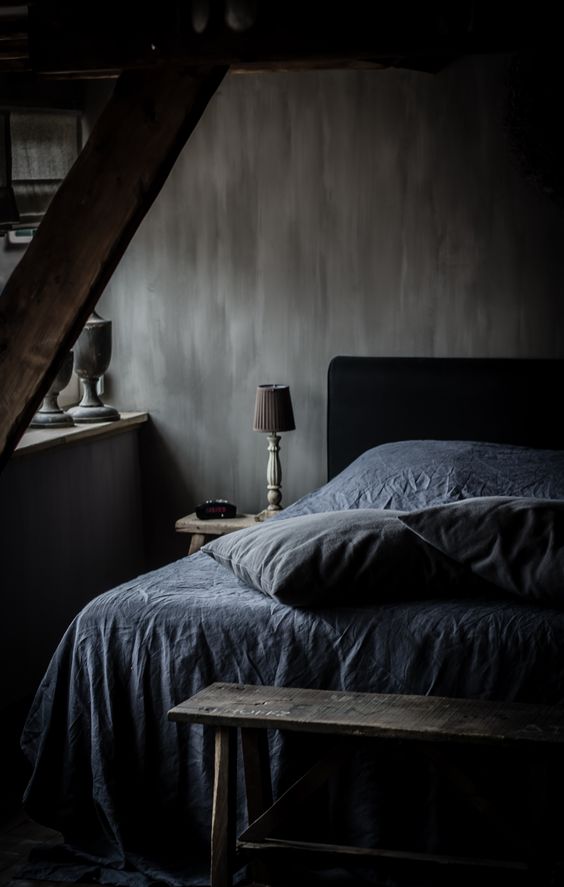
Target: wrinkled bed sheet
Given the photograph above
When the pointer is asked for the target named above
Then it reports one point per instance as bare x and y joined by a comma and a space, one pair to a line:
131, 791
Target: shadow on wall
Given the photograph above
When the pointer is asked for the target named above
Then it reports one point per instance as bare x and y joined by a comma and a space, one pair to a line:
165, 496
14, 769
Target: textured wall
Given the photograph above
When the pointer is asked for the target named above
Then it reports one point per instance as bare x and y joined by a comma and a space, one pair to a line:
313, 214
70, 528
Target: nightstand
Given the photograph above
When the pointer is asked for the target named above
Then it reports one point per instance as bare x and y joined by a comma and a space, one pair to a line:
202, 531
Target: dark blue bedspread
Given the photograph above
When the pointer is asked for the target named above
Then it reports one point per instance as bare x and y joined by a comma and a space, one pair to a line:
131, 791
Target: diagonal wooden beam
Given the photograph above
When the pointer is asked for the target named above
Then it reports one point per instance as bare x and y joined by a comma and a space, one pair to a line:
290, 800
88, 227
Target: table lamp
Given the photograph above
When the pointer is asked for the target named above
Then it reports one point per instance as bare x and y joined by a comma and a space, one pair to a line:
273, 412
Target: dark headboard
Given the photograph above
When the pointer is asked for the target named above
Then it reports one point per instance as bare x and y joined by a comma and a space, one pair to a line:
373, 400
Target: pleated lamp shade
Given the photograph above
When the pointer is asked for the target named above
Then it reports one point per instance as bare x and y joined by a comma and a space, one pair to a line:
273, 409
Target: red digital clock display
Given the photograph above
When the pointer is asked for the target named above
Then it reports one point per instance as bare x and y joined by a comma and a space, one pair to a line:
216, 508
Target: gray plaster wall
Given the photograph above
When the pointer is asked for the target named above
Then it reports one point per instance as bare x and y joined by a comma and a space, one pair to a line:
70, 528
314, 214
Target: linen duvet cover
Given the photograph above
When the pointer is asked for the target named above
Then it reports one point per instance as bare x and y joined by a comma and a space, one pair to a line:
131, 791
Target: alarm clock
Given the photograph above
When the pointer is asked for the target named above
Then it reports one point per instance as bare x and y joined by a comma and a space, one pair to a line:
216, 508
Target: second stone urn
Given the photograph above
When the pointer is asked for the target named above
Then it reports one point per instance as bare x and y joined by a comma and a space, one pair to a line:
92, 354
50, 414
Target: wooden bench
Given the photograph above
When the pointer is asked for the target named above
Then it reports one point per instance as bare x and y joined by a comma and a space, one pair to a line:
425, 720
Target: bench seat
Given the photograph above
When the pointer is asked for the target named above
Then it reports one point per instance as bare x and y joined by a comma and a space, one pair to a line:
536, 730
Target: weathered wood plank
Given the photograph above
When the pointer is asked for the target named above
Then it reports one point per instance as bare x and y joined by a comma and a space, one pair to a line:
88, 227
37, 439
428, 718
191, 524
223, 809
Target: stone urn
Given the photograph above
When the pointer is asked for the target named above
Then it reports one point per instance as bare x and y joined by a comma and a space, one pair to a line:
50, 414
92, 354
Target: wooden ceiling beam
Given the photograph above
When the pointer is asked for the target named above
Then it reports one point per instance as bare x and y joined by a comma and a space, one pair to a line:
101, 38
88, 227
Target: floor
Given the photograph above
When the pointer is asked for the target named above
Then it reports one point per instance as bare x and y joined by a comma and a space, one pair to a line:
17, 837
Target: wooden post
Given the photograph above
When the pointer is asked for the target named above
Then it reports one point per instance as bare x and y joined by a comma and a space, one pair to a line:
223, 809
258, 786
88, 227
256, 761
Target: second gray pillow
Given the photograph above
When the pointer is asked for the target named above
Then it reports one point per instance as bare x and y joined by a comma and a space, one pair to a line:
344, 557
513, 542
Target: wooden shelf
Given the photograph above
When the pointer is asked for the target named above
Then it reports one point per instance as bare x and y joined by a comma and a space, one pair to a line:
45, 438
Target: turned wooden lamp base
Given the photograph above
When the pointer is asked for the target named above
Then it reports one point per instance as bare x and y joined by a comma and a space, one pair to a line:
273, 478
273, 412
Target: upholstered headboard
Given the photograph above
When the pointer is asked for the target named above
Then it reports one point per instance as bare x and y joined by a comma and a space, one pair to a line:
373, 400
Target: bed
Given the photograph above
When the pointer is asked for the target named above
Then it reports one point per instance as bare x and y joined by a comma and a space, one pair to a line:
131, 791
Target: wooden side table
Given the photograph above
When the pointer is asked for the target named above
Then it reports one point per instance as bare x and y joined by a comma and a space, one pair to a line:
202, 531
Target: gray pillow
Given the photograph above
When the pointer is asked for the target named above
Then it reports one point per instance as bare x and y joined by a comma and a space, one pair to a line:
411, 474
360, 555
515, 543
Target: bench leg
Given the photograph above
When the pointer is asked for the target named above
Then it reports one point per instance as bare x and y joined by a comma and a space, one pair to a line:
223, 809
257, 771
258, 786
545, 824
